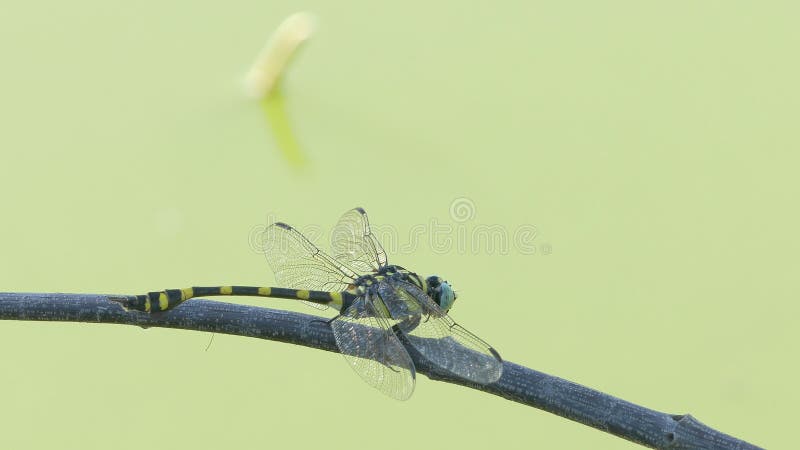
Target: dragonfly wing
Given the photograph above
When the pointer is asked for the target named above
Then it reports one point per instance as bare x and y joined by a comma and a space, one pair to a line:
299, 264
451, 347
400, 299
374, 351
445, 343
353, 243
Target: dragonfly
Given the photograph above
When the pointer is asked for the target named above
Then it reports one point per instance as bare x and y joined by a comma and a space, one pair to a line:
377, 302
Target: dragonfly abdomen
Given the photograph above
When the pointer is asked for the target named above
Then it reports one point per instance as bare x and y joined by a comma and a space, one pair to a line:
170, 298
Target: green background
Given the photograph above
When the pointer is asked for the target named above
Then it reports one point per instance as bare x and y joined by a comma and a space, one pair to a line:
653, 147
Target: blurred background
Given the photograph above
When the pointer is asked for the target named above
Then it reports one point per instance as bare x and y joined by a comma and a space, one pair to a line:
649, 151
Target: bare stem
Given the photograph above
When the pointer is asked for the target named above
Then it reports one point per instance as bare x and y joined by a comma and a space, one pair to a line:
570, 400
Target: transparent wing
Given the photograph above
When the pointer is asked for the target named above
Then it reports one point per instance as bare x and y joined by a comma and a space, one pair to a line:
374, 351
353, 243
440, 339
400, 299
299, 264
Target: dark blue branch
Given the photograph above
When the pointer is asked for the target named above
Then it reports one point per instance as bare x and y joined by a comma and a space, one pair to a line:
570, 400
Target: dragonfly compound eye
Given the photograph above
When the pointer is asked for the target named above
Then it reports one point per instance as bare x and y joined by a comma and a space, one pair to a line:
441, 292
447, 296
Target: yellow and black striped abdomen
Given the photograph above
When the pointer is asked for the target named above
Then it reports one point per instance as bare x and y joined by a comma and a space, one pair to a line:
170, 298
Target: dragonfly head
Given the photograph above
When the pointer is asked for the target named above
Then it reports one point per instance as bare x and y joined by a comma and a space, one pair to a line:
441, 292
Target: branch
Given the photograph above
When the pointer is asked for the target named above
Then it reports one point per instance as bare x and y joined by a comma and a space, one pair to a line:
570, 400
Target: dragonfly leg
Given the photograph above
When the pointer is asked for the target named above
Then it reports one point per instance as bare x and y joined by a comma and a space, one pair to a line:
326, 322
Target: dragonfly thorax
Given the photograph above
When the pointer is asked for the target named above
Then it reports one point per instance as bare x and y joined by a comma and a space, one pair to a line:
394, 272
364, 283
438, 289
